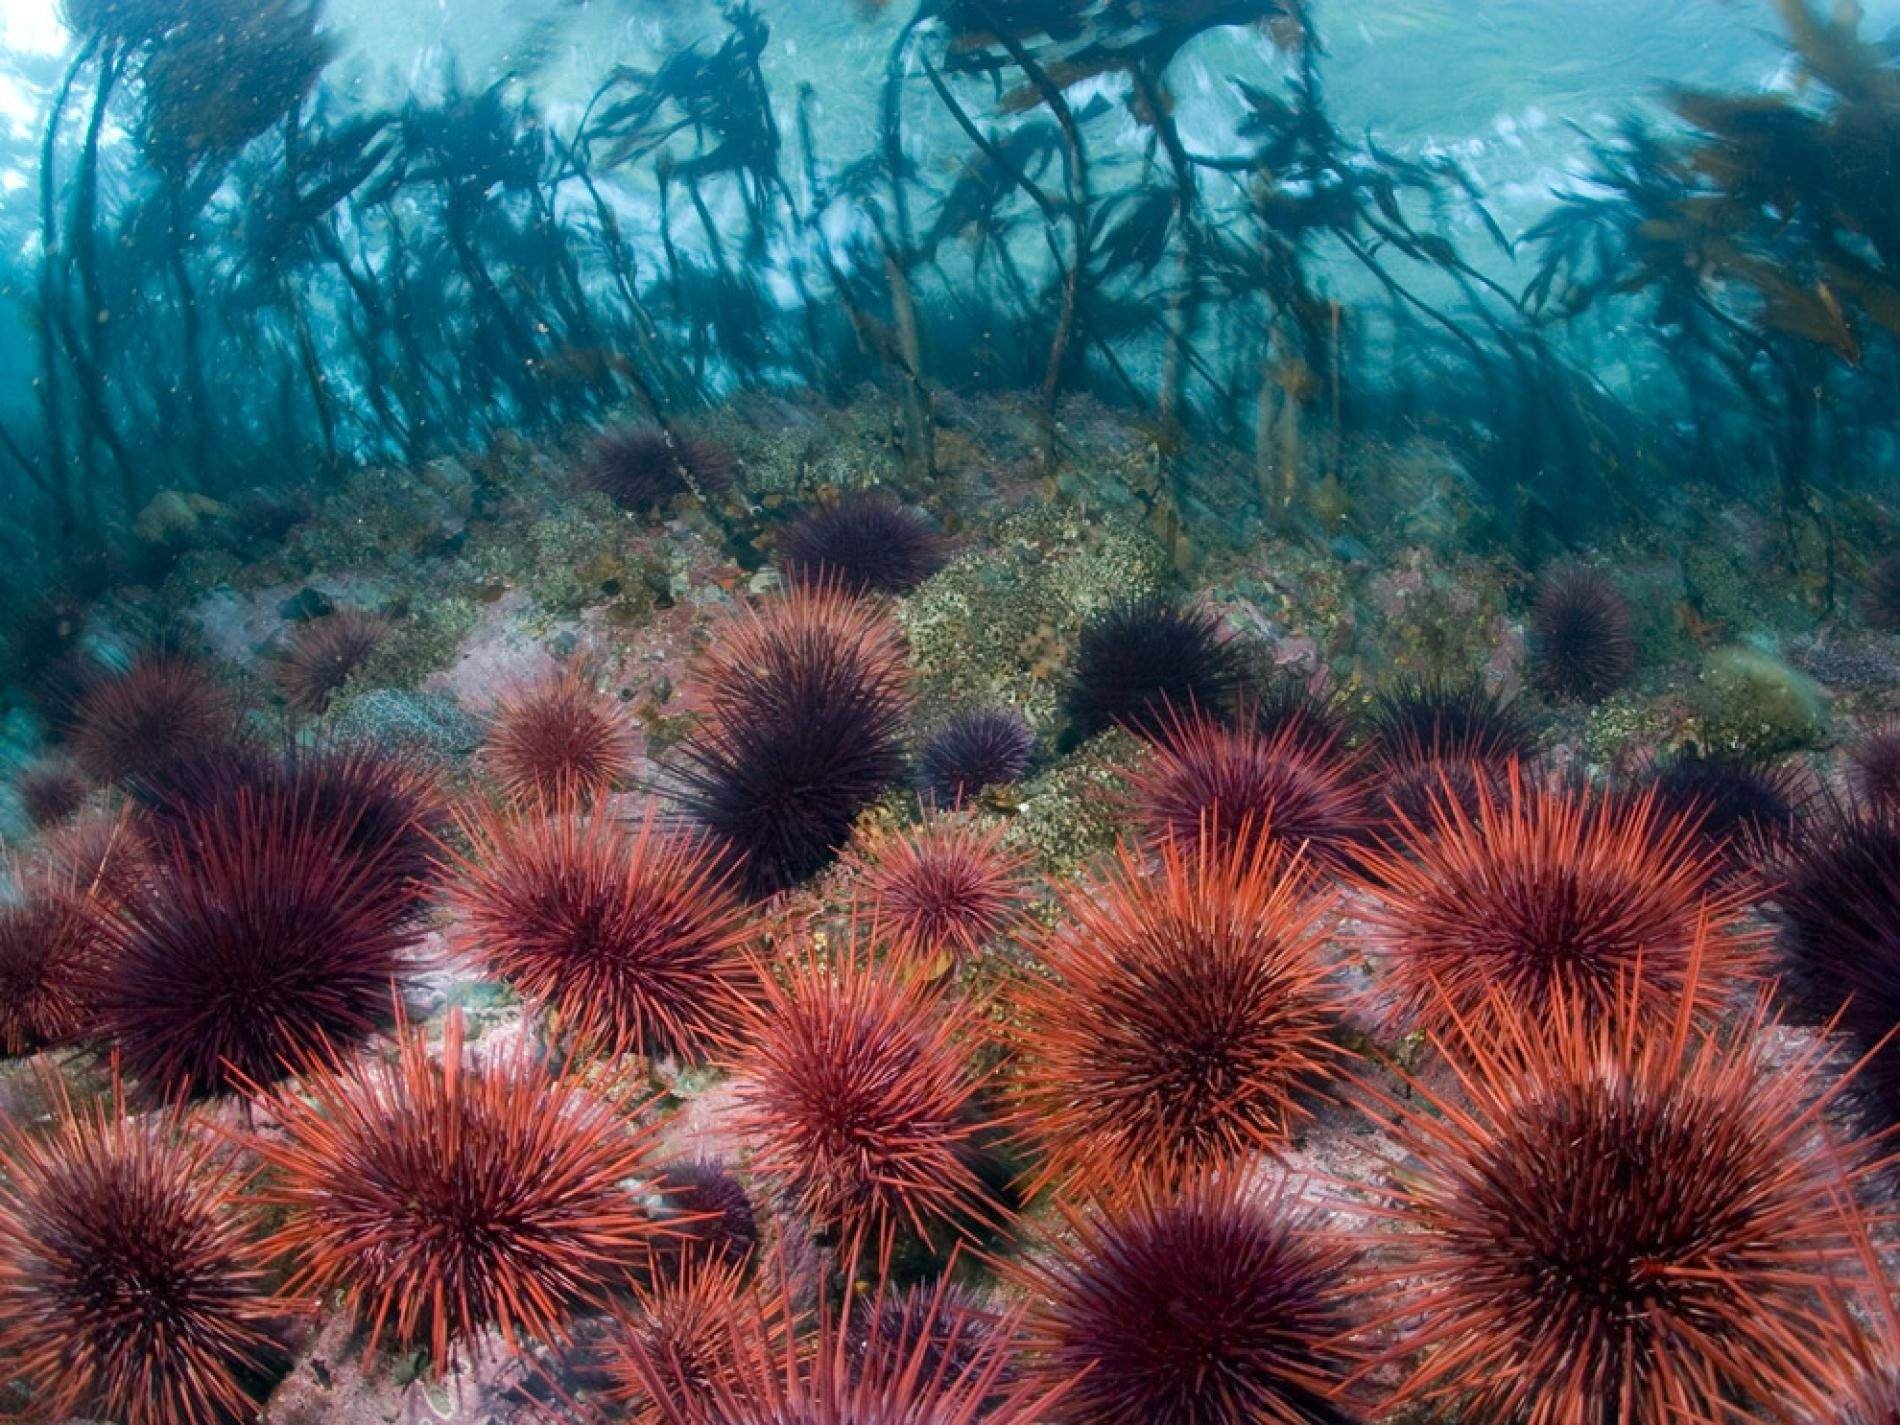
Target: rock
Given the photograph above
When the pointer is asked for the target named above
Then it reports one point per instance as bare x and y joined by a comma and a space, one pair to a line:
306, 604
172, 516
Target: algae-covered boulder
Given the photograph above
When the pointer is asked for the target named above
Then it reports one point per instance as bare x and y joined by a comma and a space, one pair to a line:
1750, 701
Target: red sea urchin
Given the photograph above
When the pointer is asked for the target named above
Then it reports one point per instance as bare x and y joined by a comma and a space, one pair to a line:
1183, 1018
1140, 657
164, 707
1538, 892
627, 935
268, 932
1623, 1219
1296, 787
940, 892
51, 791
805, 704
47, 949
682, 1344
557, 737
131, 1282
1223, 1305
443, 1198
1583, 640
643, 468
972, 752
858, 1100
1874, 766
319, 656
865, 544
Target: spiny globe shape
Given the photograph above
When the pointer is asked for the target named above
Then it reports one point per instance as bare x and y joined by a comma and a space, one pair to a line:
973, 752
1838, 943
132, 1286
866, 544
51, 791
1874, 766
1182, 1020
557, 737
643, 469
1221, 1305
1541, 891
47, 950
1583, 640
441, 1198
625, 935
163, 707
1423, 736
709, 1213
857, 1099
266, 934
679, 1346
938, 894
1745, 809
1239, 784
1140, 657
1623, 1219
319, 656
804, 703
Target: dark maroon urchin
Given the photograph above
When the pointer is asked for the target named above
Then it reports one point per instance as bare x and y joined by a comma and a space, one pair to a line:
318, 657
865, 544
1141, 657
51, 791
163, 707
268, 933
1318, 723
972, 752
1880, 600
1874, 766
1743, 808
721, 1222
1838, 939
132, 1283
949, 1330
1427, 738
46, 951
642, 468
1220, 1306
1583, 640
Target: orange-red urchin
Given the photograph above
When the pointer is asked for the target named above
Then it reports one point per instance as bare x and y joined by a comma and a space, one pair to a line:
937, 894
319, 656
1225, 1304
132, 1284
442, 1198
628, 935
681, 1343
162, 708
558, 737
1295, 787
1183, 1020
1621, 1218
47, 947
858, 1100
1537, 890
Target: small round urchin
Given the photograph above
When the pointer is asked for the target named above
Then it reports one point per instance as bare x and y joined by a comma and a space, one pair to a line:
1138, 658
1429, 737
1838, 941
442, 1199
864, 544
1221, 1305
269, 931
1183, 1019
1619, 1220
805, 705
1238, 784
1745, 809
161, 709
937, 894
1874, 766
858, 1101
715, 1216
51, 791
972, 752
47, 948
132, 1286
626, 937
643, 468
1543, 893
318, 657
1583, 640
1880, 600
557, 737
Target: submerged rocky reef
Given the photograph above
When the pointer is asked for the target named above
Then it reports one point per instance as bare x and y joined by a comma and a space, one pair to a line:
712, 925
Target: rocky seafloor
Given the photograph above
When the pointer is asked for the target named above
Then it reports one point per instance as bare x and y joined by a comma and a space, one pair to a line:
486, 572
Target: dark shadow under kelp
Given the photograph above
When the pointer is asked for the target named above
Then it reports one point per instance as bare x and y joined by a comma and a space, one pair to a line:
276, 284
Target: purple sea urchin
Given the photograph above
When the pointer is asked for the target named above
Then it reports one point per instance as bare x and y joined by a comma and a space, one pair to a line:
865, 544
972, 752
1140, 658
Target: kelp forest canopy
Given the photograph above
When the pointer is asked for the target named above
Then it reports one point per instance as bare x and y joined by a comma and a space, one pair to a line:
240, 278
